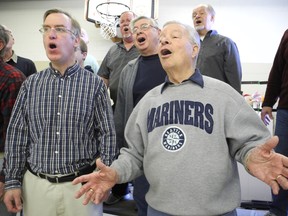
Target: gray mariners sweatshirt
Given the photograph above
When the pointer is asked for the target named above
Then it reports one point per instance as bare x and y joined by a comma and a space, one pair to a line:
187, 140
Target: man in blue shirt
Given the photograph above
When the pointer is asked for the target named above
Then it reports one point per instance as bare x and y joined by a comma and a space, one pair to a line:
62, 121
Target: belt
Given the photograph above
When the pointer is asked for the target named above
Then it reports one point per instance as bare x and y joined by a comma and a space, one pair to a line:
66, 178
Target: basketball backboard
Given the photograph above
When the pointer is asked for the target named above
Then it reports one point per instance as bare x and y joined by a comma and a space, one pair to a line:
147, 8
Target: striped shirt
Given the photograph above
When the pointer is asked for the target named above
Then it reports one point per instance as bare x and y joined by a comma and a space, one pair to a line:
59, 123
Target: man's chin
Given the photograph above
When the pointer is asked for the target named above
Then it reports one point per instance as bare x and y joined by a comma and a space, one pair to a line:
127, 35
199, 28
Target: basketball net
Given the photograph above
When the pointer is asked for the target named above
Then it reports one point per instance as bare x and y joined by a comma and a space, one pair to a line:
107, 31
110, 13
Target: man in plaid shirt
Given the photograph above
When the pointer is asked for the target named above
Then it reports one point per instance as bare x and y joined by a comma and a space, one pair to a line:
10, 83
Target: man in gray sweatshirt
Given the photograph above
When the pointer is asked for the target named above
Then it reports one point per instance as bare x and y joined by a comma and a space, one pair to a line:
186, 135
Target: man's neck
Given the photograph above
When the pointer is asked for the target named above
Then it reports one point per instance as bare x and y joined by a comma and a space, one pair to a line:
128, 44
8, 55
203, 32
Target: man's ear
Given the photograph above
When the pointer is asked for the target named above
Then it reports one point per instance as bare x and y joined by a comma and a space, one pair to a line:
195, 51
77, 42
1, 45
213, 18
84, 55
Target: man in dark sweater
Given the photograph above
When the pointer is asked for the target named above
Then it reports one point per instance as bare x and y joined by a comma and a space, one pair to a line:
277, 89
137, 78
25, 65
218, 57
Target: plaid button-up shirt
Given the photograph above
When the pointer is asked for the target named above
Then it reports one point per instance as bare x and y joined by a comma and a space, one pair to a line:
59, 123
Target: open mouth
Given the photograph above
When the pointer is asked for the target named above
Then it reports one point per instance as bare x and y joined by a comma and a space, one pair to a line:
141, 39
198, 22
52, 46
126, 29
165, 52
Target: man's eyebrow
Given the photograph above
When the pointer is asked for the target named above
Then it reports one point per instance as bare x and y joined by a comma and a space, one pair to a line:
60, 25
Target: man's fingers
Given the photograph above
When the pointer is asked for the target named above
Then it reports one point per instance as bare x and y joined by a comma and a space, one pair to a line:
285, 164
80, 179
285, 171
83, 190
13, 206
275, 187
282, 181
99, 197
18, 204
96, 196
9, 205
99, 164
87, 197
12, 200
271, 144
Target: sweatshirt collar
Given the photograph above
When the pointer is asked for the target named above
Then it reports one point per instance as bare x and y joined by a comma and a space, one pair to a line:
196, 78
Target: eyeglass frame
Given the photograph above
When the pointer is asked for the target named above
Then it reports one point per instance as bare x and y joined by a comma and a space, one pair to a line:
143, 27
57, 29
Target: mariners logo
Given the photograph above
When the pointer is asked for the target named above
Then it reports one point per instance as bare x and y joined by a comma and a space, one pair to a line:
173, 139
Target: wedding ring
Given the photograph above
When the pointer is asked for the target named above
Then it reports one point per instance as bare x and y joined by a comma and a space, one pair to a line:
91, 190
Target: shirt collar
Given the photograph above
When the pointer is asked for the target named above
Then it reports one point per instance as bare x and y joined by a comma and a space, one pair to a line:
196, 78
70, 71
121, 45
13, 57
211, 33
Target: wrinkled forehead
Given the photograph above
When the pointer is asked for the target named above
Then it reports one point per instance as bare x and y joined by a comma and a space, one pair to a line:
173, 27
200, 9
57, 19
127, 16
142, 21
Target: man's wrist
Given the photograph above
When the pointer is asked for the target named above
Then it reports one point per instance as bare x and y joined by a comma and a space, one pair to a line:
246, 161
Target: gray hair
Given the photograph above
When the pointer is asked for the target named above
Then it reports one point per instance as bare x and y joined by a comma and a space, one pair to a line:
193, 35
4, 38
209, 9
152, 21
134, 15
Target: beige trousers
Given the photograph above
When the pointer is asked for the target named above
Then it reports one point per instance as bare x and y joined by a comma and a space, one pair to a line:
40, 197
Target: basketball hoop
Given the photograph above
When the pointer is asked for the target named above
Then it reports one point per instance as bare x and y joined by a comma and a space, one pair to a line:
107, 31
110, 13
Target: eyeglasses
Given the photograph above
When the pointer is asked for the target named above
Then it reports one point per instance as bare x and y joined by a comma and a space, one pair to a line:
143, 27
58, 30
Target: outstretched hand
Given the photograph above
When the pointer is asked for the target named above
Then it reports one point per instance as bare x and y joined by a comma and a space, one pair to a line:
97, 184
268, 166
